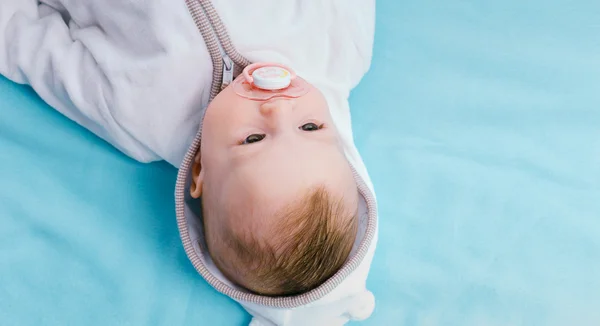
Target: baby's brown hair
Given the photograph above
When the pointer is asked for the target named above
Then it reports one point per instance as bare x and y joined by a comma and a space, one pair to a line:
309, 244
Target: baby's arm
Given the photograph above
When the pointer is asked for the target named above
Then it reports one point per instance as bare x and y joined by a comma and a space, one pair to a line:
37, 48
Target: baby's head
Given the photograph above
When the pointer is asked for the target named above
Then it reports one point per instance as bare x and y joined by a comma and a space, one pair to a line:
279, 198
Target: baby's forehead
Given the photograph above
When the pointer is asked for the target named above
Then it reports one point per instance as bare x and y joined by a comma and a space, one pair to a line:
256, 195
270, 189
270, 221
262, 206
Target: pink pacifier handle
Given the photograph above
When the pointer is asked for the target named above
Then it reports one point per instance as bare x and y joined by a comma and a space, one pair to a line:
251, 68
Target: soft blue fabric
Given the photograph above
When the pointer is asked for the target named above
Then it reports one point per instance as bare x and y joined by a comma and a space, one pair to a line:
479, 123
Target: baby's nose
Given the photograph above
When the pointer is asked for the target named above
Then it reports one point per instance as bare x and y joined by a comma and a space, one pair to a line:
276, 110
276, 104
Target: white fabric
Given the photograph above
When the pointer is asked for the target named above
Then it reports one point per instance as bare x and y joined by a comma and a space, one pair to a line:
137, 73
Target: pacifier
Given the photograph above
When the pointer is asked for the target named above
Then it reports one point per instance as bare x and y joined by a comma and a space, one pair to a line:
264, 81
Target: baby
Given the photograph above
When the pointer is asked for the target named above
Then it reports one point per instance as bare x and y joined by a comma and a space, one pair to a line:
281, 190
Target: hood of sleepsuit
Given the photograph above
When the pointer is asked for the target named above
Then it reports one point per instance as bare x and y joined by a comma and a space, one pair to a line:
341, 298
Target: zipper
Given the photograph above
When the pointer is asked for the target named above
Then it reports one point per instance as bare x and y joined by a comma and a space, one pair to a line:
228, 64
227, 70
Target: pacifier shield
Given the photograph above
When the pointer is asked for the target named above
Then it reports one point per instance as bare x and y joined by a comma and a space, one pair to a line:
262, 82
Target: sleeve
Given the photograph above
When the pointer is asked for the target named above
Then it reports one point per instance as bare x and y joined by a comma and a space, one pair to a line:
37, 48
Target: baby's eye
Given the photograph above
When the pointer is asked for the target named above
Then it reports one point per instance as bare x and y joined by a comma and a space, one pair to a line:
254, 138
311, 127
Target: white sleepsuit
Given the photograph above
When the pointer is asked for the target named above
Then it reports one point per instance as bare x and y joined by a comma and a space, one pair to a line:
137, 72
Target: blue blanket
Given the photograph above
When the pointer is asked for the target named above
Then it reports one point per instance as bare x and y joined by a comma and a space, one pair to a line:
479, 123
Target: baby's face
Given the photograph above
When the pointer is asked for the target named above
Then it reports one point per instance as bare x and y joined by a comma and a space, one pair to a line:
259, 155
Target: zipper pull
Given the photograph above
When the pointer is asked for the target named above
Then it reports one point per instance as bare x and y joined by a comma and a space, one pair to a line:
227, 71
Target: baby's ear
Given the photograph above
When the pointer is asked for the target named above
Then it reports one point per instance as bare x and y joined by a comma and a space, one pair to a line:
197, 177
